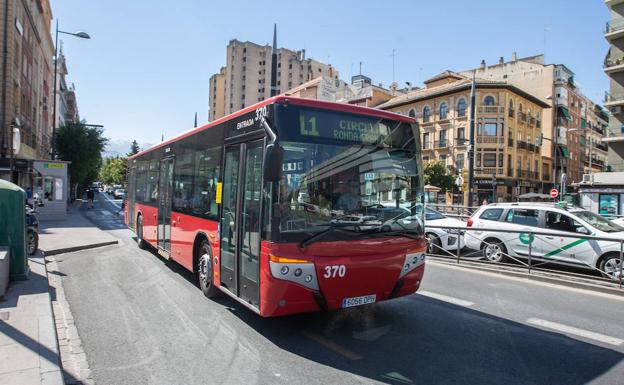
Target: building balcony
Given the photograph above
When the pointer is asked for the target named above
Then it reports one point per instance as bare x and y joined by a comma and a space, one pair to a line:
614, 99
511, 112
522, 116
526, 174
427, 146
489, 109
489, 171
613, 65
521, 145
600, 146
613, 3
614, 29
487, 139
510, 142
441, 143
461, 142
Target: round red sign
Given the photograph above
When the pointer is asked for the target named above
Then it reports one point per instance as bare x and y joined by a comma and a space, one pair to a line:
554, 193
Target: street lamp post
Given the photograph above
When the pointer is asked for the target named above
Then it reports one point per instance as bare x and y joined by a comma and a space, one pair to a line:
82, 35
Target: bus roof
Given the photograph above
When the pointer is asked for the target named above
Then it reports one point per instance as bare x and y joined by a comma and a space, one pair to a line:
281, 99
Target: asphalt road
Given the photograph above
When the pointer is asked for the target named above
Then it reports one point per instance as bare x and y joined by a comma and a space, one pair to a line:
142, 320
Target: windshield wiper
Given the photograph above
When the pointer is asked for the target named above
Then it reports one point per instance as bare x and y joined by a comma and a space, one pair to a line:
314, 237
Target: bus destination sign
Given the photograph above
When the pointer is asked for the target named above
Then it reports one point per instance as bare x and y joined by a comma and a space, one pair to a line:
342, 127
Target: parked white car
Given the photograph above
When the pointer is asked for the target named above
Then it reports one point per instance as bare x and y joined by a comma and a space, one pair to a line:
563, 246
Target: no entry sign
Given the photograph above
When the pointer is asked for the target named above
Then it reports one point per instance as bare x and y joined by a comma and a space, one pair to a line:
554, 193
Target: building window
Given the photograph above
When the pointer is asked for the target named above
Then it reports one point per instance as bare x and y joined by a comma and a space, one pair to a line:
489, 100
461, 107
479, 160
411, 113
489, 159
459, 164
443, 110
427, 112
425, 143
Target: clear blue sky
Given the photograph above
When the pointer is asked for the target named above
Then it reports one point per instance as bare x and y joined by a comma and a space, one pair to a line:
146, 69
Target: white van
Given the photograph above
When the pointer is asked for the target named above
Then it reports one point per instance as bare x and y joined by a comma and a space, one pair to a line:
564, 245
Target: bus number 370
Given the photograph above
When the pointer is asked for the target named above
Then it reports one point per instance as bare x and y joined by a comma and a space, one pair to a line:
335, 270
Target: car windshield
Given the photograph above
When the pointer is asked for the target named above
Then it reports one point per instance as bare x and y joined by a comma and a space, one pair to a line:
361, 188
432, 215
599, 222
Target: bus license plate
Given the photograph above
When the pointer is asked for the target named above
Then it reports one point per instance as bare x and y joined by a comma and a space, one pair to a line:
357, 301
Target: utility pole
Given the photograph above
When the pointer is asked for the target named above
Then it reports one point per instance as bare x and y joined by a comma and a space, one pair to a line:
473, 110
393, 55
274, 62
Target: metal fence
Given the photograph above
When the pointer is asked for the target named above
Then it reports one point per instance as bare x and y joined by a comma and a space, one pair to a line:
530, 261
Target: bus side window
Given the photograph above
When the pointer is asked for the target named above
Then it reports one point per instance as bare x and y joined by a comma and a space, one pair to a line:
207, 173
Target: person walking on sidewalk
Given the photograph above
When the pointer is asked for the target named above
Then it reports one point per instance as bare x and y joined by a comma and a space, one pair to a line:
90, 196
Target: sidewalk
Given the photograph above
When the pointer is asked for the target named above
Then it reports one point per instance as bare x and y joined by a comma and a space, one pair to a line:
29, 352
72, 234
29, 343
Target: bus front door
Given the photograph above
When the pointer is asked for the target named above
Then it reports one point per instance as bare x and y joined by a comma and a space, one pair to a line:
240, 220
165, 186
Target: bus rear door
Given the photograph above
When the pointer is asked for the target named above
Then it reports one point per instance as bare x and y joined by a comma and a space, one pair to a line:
165, 186
240, 220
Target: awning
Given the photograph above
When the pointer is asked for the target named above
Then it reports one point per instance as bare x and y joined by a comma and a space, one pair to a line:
563, 111
563, 151
583, 123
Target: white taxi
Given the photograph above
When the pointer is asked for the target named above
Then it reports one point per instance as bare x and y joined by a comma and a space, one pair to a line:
561, 243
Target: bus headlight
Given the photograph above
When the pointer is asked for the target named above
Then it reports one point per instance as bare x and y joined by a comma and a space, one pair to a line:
300, 271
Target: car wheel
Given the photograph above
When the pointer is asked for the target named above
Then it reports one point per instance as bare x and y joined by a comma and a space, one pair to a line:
433, 243
205, 271
611, 265
494, 250
32, 242
139, 226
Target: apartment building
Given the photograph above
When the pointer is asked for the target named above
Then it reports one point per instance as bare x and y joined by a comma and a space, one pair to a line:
595, 150
246, 77
508, 153
361, 91
614, 99
564, 123
26, 87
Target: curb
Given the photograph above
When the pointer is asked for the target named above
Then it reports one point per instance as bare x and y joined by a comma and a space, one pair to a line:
78, 248
562, 281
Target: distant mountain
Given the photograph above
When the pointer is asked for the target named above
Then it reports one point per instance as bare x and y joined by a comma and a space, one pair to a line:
120, 147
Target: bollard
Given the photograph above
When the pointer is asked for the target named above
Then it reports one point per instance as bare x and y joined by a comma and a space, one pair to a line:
530, 250
621, 259
458, 243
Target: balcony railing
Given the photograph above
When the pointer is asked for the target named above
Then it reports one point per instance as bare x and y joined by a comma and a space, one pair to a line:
441, 143
597, 128
461, 141
510, 142
489, 171
426, 145
526, 174
613, 62
522, 116
483, 109
601, 146
521, 144
614, 97
511, 112
614, 26
490, 139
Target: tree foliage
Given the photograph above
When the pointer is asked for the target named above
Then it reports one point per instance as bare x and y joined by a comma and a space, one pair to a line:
134, 148
113, 170
82, 145
436, 174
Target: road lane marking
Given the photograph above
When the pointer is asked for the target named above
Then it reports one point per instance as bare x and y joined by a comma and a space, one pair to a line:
575, 331
525, 280
331, 345
445, 298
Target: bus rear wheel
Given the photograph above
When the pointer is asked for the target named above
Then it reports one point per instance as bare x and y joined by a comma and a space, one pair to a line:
205, 271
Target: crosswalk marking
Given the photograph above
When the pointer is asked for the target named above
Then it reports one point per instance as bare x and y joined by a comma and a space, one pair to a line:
575, 331
446, 298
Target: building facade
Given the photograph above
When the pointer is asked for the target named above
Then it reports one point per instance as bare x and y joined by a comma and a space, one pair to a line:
26, 89
360, 92
246, 77
565, 125
614, 99
508, 158
596, 151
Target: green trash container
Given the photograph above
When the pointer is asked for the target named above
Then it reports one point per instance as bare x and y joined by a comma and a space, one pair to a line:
13, 228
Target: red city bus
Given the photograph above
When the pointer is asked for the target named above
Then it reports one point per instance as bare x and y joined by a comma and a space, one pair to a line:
291, 205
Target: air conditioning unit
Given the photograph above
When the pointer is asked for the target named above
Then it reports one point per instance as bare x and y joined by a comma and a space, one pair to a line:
616, 109
588, 179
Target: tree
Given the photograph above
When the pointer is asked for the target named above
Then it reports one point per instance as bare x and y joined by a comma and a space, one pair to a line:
82, 145
114, 170
134, 148
436, 175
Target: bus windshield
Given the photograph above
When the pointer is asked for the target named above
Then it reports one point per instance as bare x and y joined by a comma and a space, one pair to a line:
364, 183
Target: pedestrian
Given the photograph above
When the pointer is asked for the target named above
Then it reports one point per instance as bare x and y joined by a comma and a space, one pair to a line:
90, 196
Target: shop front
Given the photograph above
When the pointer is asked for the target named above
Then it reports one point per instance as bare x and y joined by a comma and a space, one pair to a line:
51, 188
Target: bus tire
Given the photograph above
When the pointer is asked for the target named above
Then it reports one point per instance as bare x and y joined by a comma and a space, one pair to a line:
494, 250
139, 226
205, 270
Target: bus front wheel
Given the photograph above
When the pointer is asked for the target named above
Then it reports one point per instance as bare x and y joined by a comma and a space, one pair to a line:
205, 271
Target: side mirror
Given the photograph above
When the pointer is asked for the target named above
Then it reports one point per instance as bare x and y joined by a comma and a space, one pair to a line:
582, 230
273, 162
